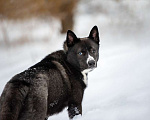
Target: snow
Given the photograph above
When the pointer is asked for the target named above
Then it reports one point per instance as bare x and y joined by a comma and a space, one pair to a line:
118, 89
53, 103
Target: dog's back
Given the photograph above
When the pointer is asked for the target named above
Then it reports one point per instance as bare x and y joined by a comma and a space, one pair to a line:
42, 89
31, 86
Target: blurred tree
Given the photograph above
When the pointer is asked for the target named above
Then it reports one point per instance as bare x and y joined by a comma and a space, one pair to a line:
25, 9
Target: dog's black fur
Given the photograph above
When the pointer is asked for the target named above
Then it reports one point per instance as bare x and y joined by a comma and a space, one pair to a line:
52, 84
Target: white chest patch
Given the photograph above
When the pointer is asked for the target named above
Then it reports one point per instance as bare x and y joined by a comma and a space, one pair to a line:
85, 77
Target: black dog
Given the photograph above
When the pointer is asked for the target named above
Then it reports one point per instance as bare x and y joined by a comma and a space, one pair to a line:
57, 81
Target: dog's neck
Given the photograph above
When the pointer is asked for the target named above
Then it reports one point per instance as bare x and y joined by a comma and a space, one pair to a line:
85, 78
85, 75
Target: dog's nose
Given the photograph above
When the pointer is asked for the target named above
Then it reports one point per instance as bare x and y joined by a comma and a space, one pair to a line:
91, 63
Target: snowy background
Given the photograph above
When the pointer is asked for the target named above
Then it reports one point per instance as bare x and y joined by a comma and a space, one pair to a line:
119, 89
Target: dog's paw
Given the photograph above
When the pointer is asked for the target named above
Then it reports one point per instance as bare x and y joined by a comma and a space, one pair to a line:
73, 111
77, 117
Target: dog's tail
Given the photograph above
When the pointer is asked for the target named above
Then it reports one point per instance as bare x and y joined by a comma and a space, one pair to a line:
12, 99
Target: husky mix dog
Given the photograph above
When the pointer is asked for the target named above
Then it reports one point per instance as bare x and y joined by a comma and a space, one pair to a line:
56, 82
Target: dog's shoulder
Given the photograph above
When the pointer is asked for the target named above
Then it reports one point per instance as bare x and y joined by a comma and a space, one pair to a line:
59, 58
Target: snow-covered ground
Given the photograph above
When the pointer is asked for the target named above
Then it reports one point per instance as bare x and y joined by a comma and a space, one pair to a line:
119, 89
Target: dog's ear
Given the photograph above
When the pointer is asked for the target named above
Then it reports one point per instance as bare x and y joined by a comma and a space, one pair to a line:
94, 34
71, 38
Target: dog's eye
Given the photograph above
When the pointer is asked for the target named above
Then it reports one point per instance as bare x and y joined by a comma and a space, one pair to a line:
80, 53
93, 51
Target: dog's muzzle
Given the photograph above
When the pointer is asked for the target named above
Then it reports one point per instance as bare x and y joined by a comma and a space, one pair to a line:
91, 64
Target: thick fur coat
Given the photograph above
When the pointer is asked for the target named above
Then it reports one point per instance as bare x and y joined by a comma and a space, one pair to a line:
58, 81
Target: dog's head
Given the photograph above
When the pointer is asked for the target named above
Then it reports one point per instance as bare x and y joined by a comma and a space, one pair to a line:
83, 53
